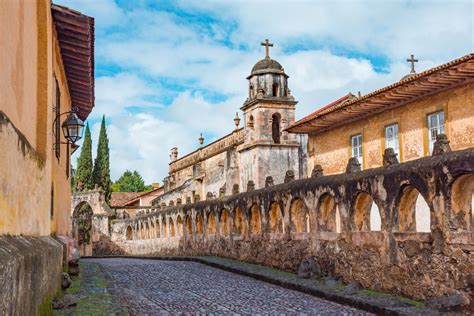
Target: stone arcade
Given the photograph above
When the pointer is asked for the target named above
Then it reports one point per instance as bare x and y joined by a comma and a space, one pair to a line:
361, 222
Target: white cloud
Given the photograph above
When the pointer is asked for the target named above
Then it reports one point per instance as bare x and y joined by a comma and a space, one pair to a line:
321, 44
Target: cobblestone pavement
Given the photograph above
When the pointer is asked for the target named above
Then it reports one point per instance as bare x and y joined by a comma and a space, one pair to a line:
174, 287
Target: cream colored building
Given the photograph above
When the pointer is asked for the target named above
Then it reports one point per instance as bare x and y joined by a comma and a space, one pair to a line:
405, 116
47, 66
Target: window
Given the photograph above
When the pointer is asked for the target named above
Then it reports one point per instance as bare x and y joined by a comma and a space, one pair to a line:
276, 128
275, 90
391, 138
58, 122
356, 147
435, 127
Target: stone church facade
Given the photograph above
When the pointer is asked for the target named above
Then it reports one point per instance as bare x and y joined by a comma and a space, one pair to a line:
251, 157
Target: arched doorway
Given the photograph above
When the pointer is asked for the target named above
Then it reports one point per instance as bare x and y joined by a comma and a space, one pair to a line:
82, 228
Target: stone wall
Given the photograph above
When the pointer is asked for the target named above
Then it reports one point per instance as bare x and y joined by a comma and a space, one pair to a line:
30, 274
329, 217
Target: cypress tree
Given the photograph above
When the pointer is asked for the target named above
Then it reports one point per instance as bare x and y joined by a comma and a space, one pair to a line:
101, 173
83, 177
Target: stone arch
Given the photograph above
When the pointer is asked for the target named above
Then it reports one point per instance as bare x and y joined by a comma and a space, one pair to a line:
366, 213
164, 228
413, 212
255, 220
82, 227
211, 224
189, 226
199, 224
239, 222
179, 224
329, 217
147, 230
129, 233
172, 232
224, 220
275, 89
152, 230
462, 203
157, 228
275, 218
299, 216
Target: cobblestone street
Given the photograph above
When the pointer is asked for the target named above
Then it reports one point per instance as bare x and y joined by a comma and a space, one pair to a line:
162, 287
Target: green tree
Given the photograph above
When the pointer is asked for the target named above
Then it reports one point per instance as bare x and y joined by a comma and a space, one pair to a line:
101, 172
83, 177
130, 182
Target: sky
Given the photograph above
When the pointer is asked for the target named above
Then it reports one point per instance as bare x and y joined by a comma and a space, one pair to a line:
167, 71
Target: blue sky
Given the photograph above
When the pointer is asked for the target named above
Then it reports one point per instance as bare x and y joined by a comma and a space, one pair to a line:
168, 70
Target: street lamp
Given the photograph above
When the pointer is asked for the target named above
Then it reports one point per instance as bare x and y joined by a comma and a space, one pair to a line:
72, 127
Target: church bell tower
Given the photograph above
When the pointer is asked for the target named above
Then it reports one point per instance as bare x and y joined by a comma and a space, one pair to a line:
268, 150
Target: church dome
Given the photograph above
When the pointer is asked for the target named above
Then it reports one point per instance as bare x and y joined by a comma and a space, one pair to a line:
267, 65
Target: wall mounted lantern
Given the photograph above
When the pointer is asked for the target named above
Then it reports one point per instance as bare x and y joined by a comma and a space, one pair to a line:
72, 127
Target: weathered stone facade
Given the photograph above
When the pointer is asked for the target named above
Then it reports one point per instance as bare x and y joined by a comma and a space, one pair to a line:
249, 154
328, 217
90, 216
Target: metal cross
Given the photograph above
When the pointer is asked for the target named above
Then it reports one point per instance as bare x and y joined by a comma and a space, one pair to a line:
412, 60
267, 45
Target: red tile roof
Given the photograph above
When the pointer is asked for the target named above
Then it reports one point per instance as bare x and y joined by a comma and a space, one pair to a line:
122, 198
76, 39
454, 73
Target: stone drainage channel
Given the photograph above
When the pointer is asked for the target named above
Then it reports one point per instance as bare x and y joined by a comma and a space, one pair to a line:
140, 286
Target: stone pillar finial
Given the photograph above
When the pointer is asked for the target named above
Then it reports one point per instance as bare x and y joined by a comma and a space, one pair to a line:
188, 200
173, 154
235, 189
222, 191
197, 198
250, 186
317, 171
237, 120
353, 165
268, 182
289, 176
441, 145
209, 196
389, 157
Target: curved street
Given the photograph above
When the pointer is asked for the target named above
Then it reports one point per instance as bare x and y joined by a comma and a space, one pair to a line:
174, 287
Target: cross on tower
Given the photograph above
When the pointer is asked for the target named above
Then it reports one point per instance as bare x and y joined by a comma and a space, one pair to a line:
267, 45
412, 61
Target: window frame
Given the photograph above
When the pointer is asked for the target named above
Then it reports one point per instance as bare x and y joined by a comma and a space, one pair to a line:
396, 138
360, 156
440, 128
